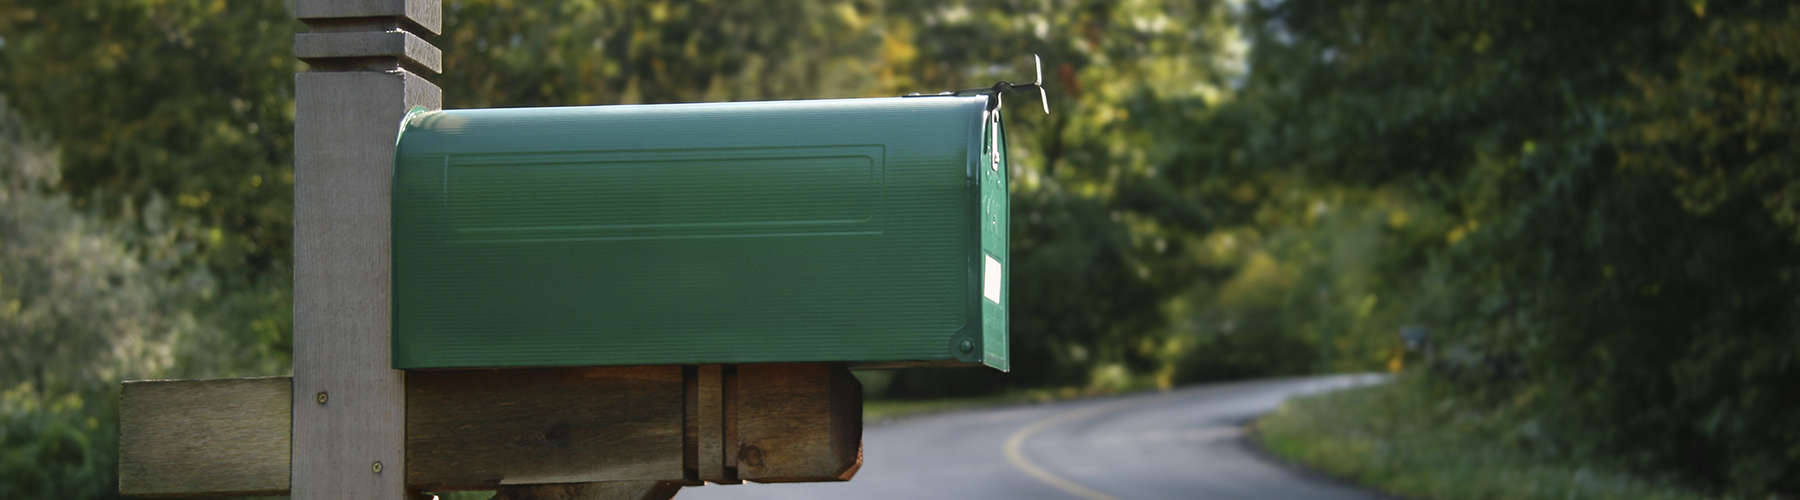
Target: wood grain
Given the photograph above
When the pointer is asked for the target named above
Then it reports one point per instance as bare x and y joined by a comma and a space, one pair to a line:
478, 429
345, 125
690, 426
731, 429
487, 429
798, 422
711, 422
213, 436
846, 421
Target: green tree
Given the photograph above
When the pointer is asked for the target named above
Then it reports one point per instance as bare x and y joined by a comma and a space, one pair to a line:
1610, 242
506, 54
84, 303
183, 103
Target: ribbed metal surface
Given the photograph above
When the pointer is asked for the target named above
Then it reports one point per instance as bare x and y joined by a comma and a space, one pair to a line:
831, 230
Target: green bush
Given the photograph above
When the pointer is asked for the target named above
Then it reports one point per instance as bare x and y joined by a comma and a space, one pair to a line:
55, 447
1417, 439
85, 302
1612, 233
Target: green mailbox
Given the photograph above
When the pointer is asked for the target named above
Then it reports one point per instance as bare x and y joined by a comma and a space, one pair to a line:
869, 231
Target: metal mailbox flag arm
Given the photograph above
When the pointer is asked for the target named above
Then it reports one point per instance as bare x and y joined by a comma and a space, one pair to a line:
1036, 84
1003, 86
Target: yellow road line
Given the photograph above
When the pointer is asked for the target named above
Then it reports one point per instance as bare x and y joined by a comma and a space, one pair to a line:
1016, 457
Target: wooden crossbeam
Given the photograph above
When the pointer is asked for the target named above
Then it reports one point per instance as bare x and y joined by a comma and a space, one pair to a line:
511, 428
185, 437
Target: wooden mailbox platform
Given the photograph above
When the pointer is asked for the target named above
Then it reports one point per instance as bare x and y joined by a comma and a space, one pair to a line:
529, 432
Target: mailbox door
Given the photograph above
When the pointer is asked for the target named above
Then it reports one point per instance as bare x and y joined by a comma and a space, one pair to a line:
994, 219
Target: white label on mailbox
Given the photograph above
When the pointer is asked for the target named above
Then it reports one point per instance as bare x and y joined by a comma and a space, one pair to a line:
990, 279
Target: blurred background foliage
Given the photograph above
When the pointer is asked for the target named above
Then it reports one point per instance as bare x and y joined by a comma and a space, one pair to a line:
1592, 207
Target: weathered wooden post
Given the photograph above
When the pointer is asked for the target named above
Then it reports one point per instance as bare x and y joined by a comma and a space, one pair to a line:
366, 67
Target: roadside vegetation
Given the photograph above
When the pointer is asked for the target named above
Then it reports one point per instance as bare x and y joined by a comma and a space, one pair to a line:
880, 406
885, 410
1412, 439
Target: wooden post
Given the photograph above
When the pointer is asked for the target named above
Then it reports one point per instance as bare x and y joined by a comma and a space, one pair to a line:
349, 408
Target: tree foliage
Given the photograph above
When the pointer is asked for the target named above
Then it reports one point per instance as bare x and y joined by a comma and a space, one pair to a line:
1615, 243
85, 301
187, 104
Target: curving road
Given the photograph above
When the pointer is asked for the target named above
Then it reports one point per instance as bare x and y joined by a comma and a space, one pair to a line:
1186, 443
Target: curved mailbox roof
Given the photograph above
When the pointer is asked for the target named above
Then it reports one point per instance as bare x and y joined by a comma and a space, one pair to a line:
869, 231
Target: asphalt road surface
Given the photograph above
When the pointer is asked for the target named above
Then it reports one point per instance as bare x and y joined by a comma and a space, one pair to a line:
1186, 443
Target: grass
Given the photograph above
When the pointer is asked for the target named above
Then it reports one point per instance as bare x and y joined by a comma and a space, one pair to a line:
1106, 380
877, 410
1394, 438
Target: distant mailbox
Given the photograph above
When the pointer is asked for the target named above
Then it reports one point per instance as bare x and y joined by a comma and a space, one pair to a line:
871, 231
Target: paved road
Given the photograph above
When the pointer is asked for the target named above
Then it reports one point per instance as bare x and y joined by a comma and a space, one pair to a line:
1187, 443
